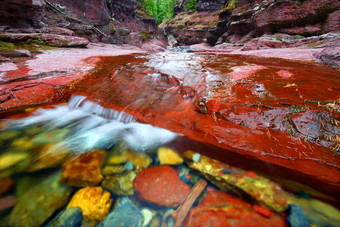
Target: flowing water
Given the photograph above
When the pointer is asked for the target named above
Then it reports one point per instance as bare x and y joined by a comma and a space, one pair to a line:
277, 118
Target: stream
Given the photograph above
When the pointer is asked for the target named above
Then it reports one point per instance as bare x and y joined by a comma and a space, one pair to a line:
273, 121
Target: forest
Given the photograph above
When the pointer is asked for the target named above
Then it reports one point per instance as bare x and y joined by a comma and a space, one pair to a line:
163, 10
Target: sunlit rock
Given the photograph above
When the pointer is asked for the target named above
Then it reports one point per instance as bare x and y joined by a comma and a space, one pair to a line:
168, 156
12, 162
40, 202
48, 157
138, 160
125, 213
93, 201
6, 185
113, 169
84, 170
148, 216
265, 192
222, 209
120, 185
160, 185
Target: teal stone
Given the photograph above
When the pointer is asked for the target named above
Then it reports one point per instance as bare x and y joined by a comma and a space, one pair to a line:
124, 214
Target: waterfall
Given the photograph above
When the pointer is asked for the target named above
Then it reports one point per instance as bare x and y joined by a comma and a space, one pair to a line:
92, 126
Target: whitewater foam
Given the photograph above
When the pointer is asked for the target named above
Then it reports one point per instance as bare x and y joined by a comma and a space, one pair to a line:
95, 127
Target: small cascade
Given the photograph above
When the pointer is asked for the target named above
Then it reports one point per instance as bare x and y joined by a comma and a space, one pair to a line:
91, 126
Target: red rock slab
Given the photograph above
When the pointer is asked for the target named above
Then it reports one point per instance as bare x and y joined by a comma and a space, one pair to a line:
160, 185
221, 209
84, 170
261, 143
49, 76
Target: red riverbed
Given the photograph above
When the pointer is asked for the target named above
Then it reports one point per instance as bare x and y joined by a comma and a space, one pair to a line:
276, 116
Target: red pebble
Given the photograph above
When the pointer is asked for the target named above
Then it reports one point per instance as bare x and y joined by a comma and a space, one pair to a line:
262, 211
251, 174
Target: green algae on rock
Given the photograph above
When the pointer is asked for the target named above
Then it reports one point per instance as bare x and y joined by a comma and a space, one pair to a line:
40, 202
246, 184
120, 185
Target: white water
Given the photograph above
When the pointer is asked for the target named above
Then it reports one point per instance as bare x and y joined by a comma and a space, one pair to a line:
94, 127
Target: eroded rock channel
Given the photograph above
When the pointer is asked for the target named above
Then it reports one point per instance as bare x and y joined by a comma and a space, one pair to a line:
263, 130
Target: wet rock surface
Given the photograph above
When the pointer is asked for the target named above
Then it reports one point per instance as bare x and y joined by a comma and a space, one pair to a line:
39, 203
94, 202
125, 213
84, 170
160, 185
262, 115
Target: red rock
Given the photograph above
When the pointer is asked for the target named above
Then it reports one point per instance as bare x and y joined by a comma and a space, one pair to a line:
222, 209
5, 185
84, 170
148, 46
330, 56
262, 211
267, 43
240, 72
49, 39
251, 45
303, 30
22, 13
280, 13
96, 11
160, 185
7, 202
333, 22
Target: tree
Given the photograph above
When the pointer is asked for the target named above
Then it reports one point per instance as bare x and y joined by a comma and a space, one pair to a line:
161, 10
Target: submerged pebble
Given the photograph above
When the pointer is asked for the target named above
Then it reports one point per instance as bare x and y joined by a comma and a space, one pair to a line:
84, 170
125, 213
120, 185
93, 201
12, 162
38, 204
168, 156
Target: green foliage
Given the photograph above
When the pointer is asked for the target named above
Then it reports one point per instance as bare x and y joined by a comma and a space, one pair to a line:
161, 10
231, 5
191, 5
6, 46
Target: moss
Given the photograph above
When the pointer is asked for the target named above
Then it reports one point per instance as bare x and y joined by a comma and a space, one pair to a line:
6, 46
145, 34
278, 37
33, 45
231, 5
314, 44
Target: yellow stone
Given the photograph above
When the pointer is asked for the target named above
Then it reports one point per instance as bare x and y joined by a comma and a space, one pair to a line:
24, 143
84, 170
138, 160
168, 156
111, 170
48, 157
94, 202
12, 162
